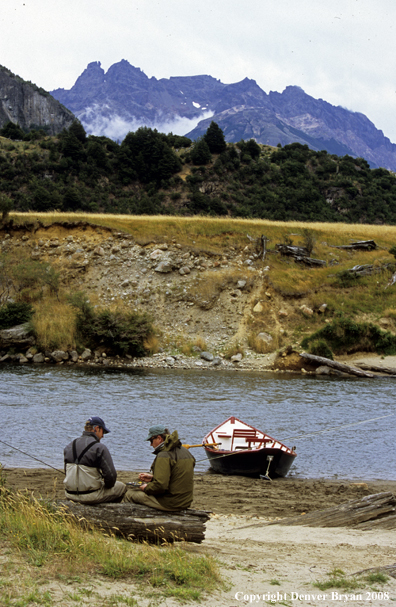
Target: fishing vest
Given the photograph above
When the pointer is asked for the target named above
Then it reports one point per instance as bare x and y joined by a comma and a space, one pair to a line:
79, 479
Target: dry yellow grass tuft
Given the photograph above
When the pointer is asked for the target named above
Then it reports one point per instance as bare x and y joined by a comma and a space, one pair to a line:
54, 325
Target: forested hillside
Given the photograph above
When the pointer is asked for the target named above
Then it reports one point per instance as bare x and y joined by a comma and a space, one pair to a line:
153, 173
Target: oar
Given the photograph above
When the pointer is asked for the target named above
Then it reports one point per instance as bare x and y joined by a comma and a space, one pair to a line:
201, 445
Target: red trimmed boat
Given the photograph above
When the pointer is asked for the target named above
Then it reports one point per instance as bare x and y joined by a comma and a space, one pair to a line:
237, 448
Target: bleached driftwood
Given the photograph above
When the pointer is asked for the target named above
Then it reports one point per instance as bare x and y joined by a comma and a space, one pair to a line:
321, 360
135, 521
367, 245
372, 511
300, 255
377, 368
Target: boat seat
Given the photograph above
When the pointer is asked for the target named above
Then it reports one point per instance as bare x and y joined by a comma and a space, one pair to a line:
250, 436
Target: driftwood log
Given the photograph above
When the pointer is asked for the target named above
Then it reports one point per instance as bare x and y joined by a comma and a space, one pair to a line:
292, 250
377, 368
377, 511
134, 521
386, 569
367, 245
300, 255
310, 261
321, 360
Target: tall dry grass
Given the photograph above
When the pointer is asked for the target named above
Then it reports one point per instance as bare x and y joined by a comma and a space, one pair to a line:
54, 323
54, 545
216, 231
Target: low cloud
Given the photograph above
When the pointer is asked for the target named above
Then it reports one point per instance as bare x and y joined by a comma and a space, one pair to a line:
99, 121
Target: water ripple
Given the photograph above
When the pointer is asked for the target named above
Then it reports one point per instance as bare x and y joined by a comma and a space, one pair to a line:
43, 409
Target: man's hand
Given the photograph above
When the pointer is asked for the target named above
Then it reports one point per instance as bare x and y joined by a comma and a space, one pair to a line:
146, 477
142, 487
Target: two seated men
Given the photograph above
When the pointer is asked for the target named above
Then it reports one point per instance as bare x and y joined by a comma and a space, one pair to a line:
91, 477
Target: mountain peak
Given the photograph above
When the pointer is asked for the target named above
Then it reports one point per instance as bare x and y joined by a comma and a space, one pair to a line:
126, 96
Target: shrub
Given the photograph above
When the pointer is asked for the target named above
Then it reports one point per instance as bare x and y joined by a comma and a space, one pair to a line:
6, 205
308, 240
234, 349
117, 331
319, 347
15, 314
344, 335
346, 278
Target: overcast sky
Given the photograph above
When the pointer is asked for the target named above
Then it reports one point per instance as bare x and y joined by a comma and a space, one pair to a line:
343, 51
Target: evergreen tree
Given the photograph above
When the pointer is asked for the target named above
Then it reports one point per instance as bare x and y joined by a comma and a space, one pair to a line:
200, 154
78, 131
12, 131
146, 154
214, 137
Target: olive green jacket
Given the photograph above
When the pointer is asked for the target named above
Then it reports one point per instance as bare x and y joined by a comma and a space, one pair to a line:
173, 475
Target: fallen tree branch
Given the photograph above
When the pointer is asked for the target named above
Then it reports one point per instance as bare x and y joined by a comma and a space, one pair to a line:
387, 569
377, 368
368, 245
321, 360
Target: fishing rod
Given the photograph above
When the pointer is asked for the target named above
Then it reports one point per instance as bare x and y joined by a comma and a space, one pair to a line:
365, 421
302, 436
32, 456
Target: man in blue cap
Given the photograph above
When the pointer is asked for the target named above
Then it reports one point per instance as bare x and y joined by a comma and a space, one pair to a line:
91, 477
170, 484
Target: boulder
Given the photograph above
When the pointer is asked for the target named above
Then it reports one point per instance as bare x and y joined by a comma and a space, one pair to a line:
18, 336
39, 357
164, 267
59, 355
73, 356
86, 355
265, 337
258, 308
184, 270
156, 254
323, 370
207, 356
236, 358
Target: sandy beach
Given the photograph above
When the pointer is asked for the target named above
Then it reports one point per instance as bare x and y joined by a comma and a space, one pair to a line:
266, 564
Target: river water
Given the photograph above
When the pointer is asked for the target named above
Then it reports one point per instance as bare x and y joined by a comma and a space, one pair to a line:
44, 408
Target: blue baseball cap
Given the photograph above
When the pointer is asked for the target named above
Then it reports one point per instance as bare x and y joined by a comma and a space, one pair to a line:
98, 421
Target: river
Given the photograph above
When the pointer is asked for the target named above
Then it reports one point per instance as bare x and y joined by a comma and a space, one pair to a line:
44, 408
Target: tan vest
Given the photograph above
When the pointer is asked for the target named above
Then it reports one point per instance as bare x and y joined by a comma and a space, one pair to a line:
82, 479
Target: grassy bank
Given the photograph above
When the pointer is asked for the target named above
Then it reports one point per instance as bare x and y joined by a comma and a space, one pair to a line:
278, 282
215, 228
44, 551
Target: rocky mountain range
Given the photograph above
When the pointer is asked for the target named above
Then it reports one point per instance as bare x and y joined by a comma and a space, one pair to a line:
120, 100
29, 106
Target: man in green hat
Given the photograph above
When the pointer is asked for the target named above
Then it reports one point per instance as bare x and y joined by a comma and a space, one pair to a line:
170, 484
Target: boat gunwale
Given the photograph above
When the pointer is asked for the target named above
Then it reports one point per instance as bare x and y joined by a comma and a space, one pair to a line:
220, 452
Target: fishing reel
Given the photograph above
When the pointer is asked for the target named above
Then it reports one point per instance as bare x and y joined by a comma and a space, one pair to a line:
134, 484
